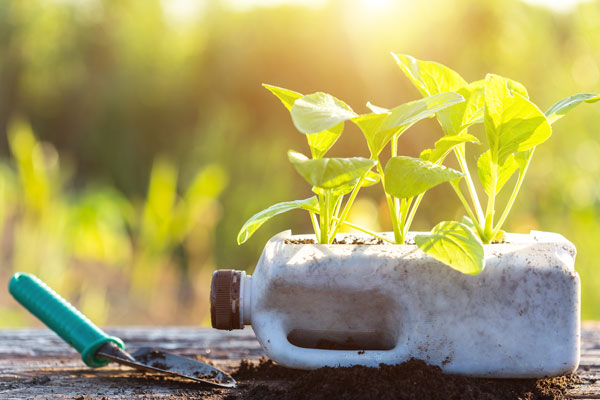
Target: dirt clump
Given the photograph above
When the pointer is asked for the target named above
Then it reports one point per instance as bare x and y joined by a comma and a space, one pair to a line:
413, 379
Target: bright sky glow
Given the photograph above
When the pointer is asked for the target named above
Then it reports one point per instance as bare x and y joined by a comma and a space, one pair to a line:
243, 5
381, 5
183, 11
562, 6
375, 5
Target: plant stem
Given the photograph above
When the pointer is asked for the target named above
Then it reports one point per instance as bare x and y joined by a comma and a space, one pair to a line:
324, 208
489, 212
460, 156
413, 211
394, 152
315, 224
338, 205
336, 211
364, 230
348, 205
393, 213
404, 207
465, 204
330, 208
513, 196
404, 210
397, 233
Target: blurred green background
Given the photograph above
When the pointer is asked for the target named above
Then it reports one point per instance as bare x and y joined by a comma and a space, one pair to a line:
135, 138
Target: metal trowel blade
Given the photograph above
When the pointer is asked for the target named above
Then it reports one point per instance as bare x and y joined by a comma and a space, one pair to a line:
150, 359
184, 367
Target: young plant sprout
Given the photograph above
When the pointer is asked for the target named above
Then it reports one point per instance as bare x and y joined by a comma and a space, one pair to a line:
514, 127
405, 179
321, 118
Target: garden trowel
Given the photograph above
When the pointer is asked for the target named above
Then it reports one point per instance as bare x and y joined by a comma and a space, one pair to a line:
96, 347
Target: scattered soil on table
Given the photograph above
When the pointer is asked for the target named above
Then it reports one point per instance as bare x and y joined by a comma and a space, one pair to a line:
413, 379
151, 356
40, 380
160, 365
266, 380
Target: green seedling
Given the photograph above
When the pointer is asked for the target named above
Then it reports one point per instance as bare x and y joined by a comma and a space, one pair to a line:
514, 127
405, 179
321, 118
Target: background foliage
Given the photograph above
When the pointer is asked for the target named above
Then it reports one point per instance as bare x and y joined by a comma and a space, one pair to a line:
135, 138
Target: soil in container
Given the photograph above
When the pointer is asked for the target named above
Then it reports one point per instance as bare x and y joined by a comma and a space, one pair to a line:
413, 379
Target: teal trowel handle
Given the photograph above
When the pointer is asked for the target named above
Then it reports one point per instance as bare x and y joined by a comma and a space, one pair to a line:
60, 316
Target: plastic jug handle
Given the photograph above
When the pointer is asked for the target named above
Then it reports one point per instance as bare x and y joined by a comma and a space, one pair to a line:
279, 348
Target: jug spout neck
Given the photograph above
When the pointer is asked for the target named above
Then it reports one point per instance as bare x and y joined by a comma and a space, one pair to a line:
230, 299
246, 299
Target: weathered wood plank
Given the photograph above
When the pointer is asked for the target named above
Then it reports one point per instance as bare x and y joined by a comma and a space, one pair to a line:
36, 364
212, 343
71, 379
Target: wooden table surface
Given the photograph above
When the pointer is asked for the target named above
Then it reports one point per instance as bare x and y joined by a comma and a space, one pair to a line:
37, 364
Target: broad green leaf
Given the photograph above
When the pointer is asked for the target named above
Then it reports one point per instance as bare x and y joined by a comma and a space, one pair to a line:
405, 115
560, 108
474, 95
429, 77
287, 97
505, 171
318, 112
371, 179
522, 158
380, 128
468, 222
330, 173
320, 142
517, 87
255, 222
445, 145
472, 111
373, 128
456, 119
376, 109
512, 123
454, 244
406, 177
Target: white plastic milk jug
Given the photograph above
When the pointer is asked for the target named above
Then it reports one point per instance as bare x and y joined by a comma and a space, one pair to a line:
314, 305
